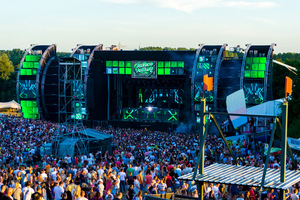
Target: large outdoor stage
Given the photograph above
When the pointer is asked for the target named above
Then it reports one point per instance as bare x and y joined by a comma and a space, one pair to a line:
139, 87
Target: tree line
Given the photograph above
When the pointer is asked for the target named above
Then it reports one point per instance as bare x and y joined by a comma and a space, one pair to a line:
10, 60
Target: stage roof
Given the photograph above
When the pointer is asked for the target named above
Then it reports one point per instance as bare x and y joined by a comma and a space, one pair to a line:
244, 175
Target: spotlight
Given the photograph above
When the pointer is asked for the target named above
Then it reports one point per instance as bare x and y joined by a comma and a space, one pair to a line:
150, 108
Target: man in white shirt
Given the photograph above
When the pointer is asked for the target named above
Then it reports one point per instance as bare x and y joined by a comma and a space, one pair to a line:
178, 170
294, 195
16, 171
90, 161
58, 191
122, 180
53, 174
100, 171
27, 191
44, 175
215, 188
68, 158
209, 189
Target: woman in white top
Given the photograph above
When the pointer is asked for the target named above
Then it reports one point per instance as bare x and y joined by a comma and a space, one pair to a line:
136, 185
162, 186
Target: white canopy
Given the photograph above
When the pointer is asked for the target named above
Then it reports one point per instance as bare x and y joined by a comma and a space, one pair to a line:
271, 108
10, 104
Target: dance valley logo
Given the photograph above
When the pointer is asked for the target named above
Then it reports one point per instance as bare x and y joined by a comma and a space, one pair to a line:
144, 69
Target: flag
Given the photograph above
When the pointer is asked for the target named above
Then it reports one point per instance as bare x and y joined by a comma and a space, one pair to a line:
207, 83
288, 86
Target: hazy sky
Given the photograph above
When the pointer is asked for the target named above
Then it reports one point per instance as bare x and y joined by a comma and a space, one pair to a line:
134, 23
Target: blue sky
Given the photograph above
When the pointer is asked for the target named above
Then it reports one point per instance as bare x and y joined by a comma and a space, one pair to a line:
134, 23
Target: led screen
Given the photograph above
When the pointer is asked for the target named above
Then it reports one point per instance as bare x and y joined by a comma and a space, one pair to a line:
150, 114
154, 96
30, 109
144, 69
163, 67
254, 93
255, 67
27, 89
208, 95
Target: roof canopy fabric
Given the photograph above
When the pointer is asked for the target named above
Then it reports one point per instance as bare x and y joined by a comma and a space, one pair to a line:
244, 175
94, 134
271, 108
10, 104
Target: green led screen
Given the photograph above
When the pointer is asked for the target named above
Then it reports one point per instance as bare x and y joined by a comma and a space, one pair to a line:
32, 58
30, 109
163, 67
27, 87
255, 67
30, 65
28, 72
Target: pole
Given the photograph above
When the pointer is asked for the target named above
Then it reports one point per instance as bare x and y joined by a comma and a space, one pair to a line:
268, 156
223, 137
108, 97
283, 146
289, 150
202, 132
201, 145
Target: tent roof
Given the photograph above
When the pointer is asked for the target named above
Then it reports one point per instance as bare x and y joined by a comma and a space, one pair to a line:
92, 133
271, 108
244, 175
10, 104
67, 147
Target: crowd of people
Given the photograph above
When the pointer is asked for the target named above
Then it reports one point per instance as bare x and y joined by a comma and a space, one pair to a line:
143, 162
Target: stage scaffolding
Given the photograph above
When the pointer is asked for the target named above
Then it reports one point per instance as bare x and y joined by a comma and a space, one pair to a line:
70, 117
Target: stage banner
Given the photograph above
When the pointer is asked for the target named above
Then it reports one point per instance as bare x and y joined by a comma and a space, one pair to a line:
144, 69
236, 104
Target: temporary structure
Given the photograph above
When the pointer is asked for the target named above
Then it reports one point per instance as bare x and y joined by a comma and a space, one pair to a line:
10, 108
10, 104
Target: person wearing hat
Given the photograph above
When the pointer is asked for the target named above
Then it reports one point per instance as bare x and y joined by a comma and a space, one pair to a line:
101, 187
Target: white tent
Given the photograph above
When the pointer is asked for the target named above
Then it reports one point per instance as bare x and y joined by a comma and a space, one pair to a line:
10, 104
271, 108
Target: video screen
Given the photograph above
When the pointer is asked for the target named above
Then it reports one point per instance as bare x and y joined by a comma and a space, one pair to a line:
27, 89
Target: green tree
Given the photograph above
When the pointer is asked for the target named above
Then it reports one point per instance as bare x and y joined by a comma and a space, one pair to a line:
165, 49
294, 103
151, 49
63, 54
279, 74
285, 56
6, 67
169, 49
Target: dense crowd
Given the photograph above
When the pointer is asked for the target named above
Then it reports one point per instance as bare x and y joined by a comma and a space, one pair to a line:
143, 162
